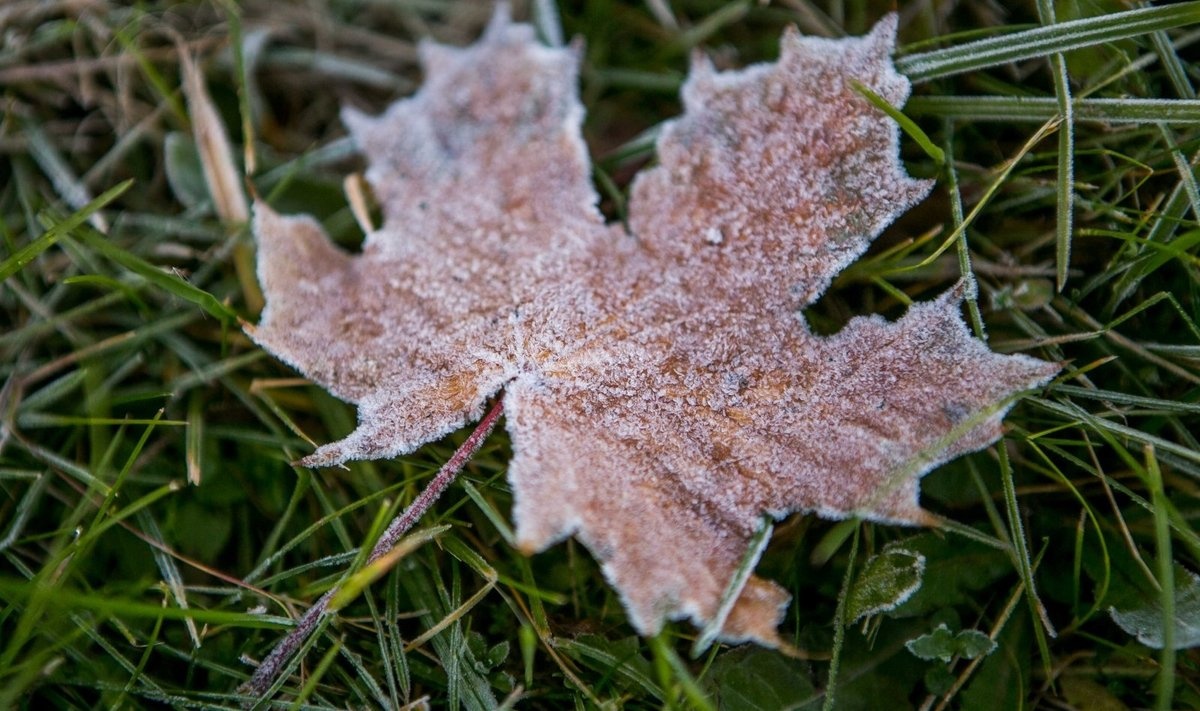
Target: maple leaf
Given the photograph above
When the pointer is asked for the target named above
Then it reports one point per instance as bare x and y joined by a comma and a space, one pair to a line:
661, 389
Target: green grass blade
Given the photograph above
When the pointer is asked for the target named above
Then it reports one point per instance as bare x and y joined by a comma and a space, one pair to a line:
910, 128
53, 233
1164, 685
166, 281
67, 599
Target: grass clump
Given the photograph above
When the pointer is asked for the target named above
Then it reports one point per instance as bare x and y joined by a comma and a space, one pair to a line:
154, 539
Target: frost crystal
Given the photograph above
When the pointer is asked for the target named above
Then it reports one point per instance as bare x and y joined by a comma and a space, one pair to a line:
662, 391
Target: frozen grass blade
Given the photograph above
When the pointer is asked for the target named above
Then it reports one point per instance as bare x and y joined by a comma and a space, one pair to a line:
1038, 109
170, 571
72, 190
1065, 183
24, 510
839, 625
1023, 563
963, 250
1059, 37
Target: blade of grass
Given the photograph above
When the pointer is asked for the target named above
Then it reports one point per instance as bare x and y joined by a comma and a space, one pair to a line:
169, 283
65, 599
971, 293
666, 659
493, 516
1065, 184
839, 627
318, 673
1021, 560
170, 571
611, 665
910, 128
695, 35
1044, 40
1002, 177
1039, 109
1164, 684
56, 231
69, 187
1101, 590
354, 585
128, 40
23, 510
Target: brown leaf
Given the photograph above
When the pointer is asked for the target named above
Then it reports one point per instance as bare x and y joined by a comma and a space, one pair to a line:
661, 387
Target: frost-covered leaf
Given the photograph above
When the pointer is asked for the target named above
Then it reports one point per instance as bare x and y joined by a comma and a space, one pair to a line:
662, 390
1146, 620
886, 581
945, 645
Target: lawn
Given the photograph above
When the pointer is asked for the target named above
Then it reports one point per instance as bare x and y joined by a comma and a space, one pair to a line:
157, 539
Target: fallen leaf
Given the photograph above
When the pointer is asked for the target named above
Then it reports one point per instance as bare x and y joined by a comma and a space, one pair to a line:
662, 389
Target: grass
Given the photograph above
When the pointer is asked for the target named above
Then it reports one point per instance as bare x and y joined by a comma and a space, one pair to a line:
155, 542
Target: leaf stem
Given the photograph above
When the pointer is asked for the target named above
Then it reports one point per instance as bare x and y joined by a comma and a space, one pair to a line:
269, 670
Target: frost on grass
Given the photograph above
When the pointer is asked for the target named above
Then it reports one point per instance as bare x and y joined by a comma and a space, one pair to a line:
662, 389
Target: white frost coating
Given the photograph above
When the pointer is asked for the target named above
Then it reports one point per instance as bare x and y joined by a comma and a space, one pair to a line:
885, 583
661, 391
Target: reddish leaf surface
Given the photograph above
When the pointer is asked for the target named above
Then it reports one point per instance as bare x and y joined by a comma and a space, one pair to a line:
662, 390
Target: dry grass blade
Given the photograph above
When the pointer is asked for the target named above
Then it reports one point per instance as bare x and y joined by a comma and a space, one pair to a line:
216, 155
